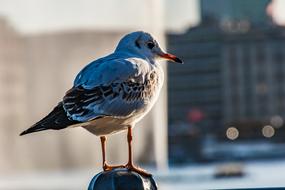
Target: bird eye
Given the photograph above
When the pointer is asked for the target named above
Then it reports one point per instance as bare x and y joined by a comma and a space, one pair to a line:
150, 45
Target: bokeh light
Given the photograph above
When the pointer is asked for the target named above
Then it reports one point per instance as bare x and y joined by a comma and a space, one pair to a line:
232, 133
276, 121
268, 131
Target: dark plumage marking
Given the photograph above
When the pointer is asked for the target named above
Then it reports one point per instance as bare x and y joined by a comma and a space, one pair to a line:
108, 92
77, 101
137, 44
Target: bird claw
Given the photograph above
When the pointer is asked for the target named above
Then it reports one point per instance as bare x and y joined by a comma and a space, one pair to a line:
138, 170
109, 168
128, 166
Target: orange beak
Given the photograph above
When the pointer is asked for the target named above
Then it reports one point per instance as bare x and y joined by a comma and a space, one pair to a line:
171, 57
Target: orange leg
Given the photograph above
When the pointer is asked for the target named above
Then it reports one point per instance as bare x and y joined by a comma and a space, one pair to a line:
106, 167
130, 164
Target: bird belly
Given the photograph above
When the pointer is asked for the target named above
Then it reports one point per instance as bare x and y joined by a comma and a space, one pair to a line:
109, 125
106, 125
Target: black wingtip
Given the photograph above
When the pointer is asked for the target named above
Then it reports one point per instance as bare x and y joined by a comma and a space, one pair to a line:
23, 133
27, 132
32, 130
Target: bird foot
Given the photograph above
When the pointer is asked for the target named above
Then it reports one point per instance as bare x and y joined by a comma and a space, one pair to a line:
128, 166
109, 168
140, 171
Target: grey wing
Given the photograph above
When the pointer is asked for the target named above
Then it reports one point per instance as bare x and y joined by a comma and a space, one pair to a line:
107, 70
116, 99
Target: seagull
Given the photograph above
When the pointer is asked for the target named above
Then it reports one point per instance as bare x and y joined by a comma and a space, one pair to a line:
113, 93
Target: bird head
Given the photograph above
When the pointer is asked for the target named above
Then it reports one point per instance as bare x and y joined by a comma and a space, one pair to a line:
144, 45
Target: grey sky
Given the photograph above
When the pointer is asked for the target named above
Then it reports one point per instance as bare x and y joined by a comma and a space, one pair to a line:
31, 16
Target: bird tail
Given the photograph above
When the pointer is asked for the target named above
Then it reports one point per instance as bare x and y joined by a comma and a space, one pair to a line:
57, 119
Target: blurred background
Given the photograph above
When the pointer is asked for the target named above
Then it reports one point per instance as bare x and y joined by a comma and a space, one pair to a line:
219, 122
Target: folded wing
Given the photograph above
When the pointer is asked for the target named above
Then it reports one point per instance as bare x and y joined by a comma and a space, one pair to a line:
115, 88
116, 100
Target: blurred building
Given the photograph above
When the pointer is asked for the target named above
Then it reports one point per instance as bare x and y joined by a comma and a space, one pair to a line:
234, 73
253, 76
232, 10
13, 79
197, 83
